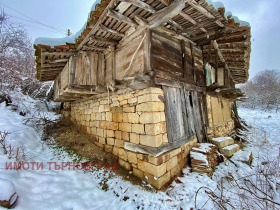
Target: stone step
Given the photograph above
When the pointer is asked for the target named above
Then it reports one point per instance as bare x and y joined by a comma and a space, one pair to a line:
222, 141
228, 151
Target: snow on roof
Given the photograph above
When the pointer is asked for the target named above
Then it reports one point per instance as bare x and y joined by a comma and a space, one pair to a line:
219, 4
237, 20
68, 39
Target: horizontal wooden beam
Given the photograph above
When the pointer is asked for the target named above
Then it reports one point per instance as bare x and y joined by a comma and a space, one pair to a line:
102, 40
166, 13
157, 151
185, 16
121, 17
95, 48
109, 30
59, 60
200, 8
140, 4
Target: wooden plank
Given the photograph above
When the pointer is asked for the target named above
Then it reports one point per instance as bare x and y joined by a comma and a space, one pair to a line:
200, 8
141, 5
95, 48
157, 151
121, 17
109, 30
103, 40
147, 50
166, 13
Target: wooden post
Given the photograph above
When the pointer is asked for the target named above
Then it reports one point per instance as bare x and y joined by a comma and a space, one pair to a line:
183, 46
216, 65
148, 50
193, 63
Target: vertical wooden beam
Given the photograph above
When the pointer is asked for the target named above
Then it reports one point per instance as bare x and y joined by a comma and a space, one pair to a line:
148, 50
184, 68
114, 62
216, 66
193, 63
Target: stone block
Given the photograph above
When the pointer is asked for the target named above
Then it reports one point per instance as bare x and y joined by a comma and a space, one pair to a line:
149, 98
156, 160
132, 100
138, 173
123, 154
103, 124
117, 117
151, 141
153, 129
150, 117
131, 117
125, 136
134, 138
102, 140
124, 164
222, 141
125, 127
138, 128
151, 169
158, 182
93, 131
171, 163
119, 143
100, 132
109, 116
110, 141
125, 96
112, 126
150, 107
118, 134
123, 102
110, 133
229, 150
129, 109
132, 157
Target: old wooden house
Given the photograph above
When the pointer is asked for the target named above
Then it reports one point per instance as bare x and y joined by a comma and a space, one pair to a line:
150, 78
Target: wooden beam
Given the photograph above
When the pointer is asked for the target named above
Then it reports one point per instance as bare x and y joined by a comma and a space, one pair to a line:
174, 34
185, 16
200, 8
141, 5
95, 48
59, 60
103, 40
121, 17
175, 24
166, 13
109, 30
140, 21
203, 11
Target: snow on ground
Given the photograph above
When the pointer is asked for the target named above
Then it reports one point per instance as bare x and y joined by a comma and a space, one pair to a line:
50, 189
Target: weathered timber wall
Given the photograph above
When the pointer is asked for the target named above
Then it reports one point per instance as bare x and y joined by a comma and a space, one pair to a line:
219, 116
176, 59
129, 60
138, 119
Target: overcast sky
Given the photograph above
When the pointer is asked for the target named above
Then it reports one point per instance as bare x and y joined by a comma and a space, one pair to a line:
263, 15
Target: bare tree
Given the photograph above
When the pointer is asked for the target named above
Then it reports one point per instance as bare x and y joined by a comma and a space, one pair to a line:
263, 90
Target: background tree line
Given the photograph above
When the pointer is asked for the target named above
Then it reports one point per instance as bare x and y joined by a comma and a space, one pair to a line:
263, 90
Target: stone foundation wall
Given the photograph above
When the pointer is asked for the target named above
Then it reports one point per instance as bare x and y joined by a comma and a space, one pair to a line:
137, 118
220, 122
